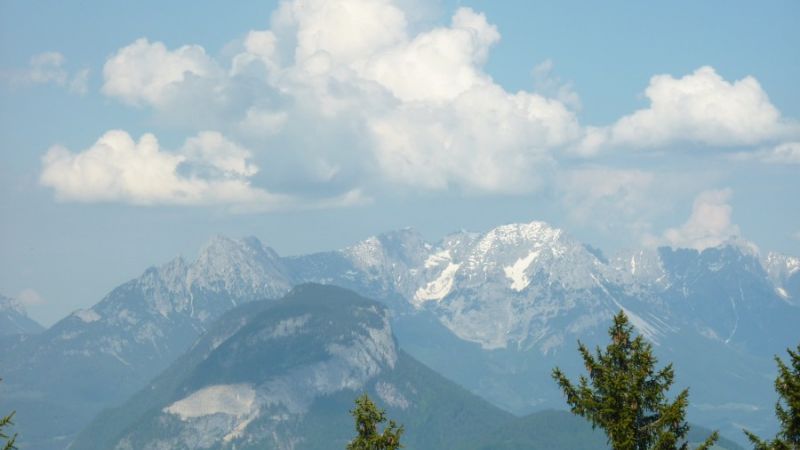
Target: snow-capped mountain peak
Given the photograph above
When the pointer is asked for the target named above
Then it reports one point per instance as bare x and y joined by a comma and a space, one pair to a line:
784, 272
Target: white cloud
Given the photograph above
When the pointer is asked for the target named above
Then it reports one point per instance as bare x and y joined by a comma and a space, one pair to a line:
701, 108
259, 47
48, 68
418, 111
390, 102
438, 65
260, 122
29, 297
619, 203
785, 153
144, 72
591, 192
709, 224
486, 140
79, 84
209, 169
545, 82
344, 30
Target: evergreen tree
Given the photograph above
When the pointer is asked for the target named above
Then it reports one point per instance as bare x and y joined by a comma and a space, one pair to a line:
787, 384
367, 418
5, 422
626, 397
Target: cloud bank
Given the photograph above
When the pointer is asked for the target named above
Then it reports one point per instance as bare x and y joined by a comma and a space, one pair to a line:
343, 96
208, 169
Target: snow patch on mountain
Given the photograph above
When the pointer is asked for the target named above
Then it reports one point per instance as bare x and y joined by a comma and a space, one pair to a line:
438, 288
438, 258
516, 272
87, 315
780, 267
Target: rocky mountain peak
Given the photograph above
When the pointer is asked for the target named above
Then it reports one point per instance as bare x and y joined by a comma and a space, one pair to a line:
14, 318
242, 267
10, 304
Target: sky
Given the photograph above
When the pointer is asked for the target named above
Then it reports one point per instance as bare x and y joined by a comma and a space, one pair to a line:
132, 132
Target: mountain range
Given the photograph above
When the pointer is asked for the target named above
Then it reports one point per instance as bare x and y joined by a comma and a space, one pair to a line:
283, 375
493, 311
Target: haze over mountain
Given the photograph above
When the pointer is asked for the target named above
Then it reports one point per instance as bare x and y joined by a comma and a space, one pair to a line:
492, 311
283, 375
14, 319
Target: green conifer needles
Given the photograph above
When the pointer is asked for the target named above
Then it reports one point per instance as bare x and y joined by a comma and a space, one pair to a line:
5, 422
626, 397
367, 417
787, 409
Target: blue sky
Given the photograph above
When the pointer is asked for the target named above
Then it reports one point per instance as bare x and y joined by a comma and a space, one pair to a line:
132, 132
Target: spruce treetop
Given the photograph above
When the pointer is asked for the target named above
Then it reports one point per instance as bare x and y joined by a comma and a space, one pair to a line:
787, 408
626, 396
367, 417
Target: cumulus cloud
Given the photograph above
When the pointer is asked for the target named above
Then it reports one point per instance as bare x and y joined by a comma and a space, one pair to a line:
143, 72
588, 192
356, 94
547, 83
620, 203
49, 68
785, 153
208, 169
344, 30
438, 65
417, 110
701, 108
709, 225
